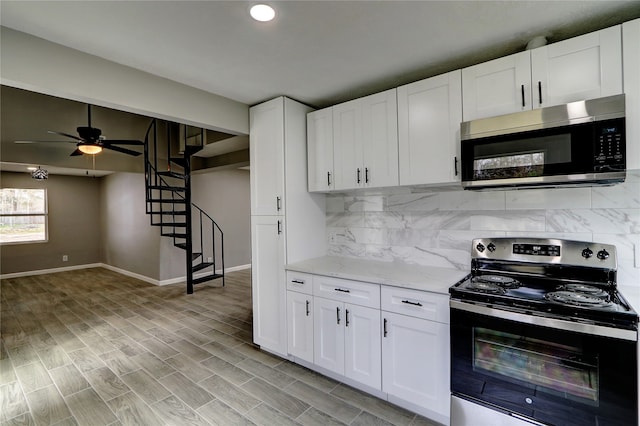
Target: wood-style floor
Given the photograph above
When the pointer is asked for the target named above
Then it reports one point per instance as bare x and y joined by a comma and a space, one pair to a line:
93, 347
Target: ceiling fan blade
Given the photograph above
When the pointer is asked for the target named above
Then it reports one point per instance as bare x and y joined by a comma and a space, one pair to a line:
29, 142
67, 135
121, 142
76, 152
122, 150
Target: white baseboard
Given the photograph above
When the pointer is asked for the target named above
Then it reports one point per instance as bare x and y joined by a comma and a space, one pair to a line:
50, 271
120, 271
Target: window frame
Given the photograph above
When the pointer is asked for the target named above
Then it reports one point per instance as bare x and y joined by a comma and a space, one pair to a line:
44, 215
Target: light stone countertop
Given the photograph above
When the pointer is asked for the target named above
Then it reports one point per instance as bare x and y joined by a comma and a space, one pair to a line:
397, 274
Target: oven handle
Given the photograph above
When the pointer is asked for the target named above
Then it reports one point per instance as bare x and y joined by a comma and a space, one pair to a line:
578, 327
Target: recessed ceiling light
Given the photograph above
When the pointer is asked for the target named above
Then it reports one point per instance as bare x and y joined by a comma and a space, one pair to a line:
262, 12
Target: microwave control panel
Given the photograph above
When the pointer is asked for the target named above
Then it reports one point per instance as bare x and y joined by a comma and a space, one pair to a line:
609, 146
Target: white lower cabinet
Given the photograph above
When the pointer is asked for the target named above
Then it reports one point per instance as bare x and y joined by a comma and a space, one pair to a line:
415, 349
347, 340
393, 341
415, 361
300, 325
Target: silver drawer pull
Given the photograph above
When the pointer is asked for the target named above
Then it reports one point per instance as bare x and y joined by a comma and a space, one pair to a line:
342, 290
297, 281
412, 303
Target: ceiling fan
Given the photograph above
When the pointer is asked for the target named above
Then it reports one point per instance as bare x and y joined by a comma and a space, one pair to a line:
90, 140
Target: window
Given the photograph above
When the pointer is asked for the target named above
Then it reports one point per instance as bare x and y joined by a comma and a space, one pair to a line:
23, 215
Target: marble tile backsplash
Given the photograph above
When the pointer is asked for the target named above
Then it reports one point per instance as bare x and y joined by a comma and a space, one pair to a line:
435, 227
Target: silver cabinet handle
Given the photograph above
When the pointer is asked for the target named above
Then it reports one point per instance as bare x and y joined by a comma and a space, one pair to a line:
307, 308
278, 207
279, 227
328, 178
412, 303
297, 281
366, 175
522, 93
342, 290
384, 327
358, 176
337, 315
346, 318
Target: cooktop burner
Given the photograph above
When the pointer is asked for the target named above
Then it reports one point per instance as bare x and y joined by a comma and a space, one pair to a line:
498, 280
578, 299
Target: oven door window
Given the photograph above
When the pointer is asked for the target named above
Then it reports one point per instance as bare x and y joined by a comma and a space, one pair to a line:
550, 367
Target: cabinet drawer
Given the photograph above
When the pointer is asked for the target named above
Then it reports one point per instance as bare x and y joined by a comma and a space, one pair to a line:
355, 292
300, 282
415, 303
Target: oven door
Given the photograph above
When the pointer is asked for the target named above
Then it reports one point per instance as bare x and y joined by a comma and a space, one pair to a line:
570, 154
549, 375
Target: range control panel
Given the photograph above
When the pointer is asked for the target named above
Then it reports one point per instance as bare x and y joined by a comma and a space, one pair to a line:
537, 249
546, 250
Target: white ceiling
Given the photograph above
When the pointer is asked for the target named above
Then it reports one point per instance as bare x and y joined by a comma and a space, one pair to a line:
318, 52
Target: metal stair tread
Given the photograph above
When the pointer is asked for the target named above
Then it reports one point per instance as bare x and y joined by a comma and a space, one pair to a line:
174, 234
167, 200
207, 278
172, 174
167, 188
201, 266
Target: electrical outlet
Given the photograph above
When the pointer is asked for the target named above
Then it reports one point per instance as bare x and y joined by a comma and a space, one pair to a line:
65, 258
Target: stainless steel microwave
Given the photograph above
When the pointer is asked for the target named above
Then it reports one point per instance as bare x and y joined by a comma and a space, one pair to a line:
580, 143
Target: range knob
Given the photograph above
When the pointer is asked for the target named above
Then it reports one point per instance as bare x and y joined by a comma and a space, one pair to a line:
603, 254
587, 253
491, 247
480, 247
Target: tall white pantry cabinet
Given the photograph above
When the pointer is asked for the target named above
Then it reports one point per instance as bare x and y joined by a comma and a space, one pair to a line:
287, 222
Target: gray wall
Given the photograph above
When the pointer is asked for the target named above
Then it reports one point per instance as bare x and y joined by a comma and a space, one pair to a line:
128, 241
73, 224
225, 196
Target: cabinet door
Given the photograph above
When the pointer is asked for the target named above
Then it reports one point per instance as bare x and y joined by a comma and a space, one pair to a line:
268, 283
429, 115
300, 325
347, 145
266, 140
497, 87
584, 67
320, 150
363, 361
631, 44
328, 328
415, 360
380, 139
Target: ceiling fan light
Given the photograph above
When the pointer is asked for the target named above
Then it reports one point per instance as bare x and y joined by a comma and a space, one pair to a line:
90, 149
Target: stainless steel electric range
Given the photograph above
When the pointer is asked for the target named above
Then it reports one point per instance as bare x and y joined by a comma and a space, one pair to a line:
540, 334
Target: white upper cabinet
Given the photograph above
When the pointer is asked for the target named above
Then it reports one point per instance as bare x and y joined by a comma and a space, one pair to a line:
584, 67
354, 144
320, 150
347, 144
429, 116
267, 158
380, 139
497, 87
365, 142
631, 46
